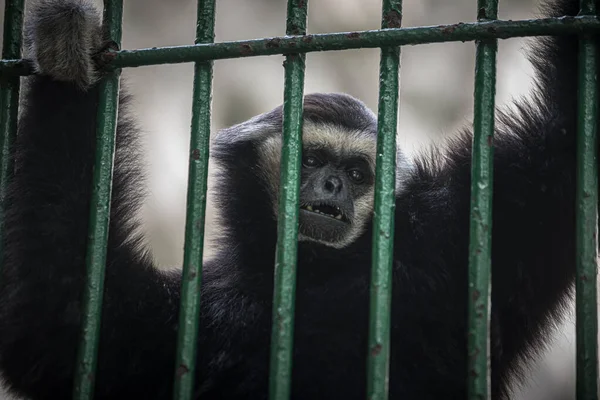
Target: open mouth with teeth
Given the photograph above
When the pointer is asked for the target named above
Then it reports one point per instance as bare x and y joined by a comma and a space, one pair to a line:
326, 210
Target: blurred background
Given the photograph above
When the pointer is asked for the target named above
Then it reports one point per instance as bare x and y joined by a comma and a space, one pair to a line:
436, 100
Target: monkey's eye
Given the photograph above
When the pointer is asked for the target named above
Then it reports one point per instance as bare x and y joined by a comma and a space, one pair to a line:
311, 161
356, 175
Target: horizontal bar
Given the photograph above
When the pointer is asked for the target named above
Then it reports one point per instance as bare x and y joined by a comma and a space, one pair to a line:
480, 246
9, 100
462, 32
108, 105
284, 291
191, 281
380, 299
587, 218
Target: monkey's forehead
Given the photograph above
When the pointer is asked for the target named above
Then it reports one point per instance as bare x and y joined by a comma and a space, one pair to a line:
335, 139
339, 140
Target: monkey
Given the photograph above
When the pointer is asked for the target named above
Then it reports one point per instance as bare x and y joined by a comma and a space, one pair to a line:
46, 224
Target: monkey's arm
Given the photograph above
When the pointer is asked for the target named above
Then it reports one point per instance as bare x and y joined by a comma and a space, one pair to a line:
43, 273
533, 227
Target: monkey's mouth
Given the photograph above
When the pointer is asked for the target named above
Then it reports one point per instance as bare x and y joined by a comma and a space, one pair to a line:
326, 210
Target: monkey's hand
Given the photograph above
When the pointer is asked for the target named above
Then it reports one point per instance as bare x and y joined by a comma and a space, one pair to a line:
64, 40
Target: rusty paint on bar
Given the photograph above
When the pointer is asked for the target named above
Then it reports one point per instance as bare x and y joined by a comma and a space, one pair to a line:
587, 217
354, 40
284, 294
460, 32
378, 354
480, 246
108, 104
9, 100
185, 368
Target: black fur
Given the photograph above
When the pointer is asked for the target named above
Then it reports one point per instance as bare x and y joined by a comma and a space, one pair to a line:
533, 260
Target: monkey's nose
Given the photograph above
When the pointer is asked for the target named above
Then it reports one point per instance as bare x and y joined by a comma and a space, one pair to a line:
333, 184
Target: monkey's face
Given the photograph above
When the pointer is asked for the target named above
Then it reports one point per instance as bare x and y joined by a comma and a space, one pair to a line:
330, 187
336, 190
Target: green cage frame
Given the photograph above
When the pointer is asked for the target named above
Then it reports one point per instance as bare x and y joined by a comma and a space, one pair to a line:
486, 32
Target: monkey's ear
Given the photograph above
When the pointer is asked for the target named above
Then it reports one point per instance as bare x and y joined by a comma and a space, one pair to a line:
61, 38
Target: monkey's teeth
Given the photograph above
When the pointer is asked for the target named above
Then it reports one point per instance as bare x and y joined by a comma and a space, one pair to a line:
338, 214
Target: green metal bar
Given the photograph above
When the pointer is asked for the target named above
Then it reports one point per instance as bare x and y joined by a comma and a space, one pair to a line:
99, 214
191, 281
284, 294
9, 100
462, 32
378, 355
480, 247
587, 217
354, 40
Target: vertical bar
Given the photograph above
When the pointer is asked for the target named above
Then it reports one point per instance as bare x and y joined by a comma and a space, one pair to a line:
587, 217
9, 98
480, 247
282, 341
191, 281
378, 355
99, 214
